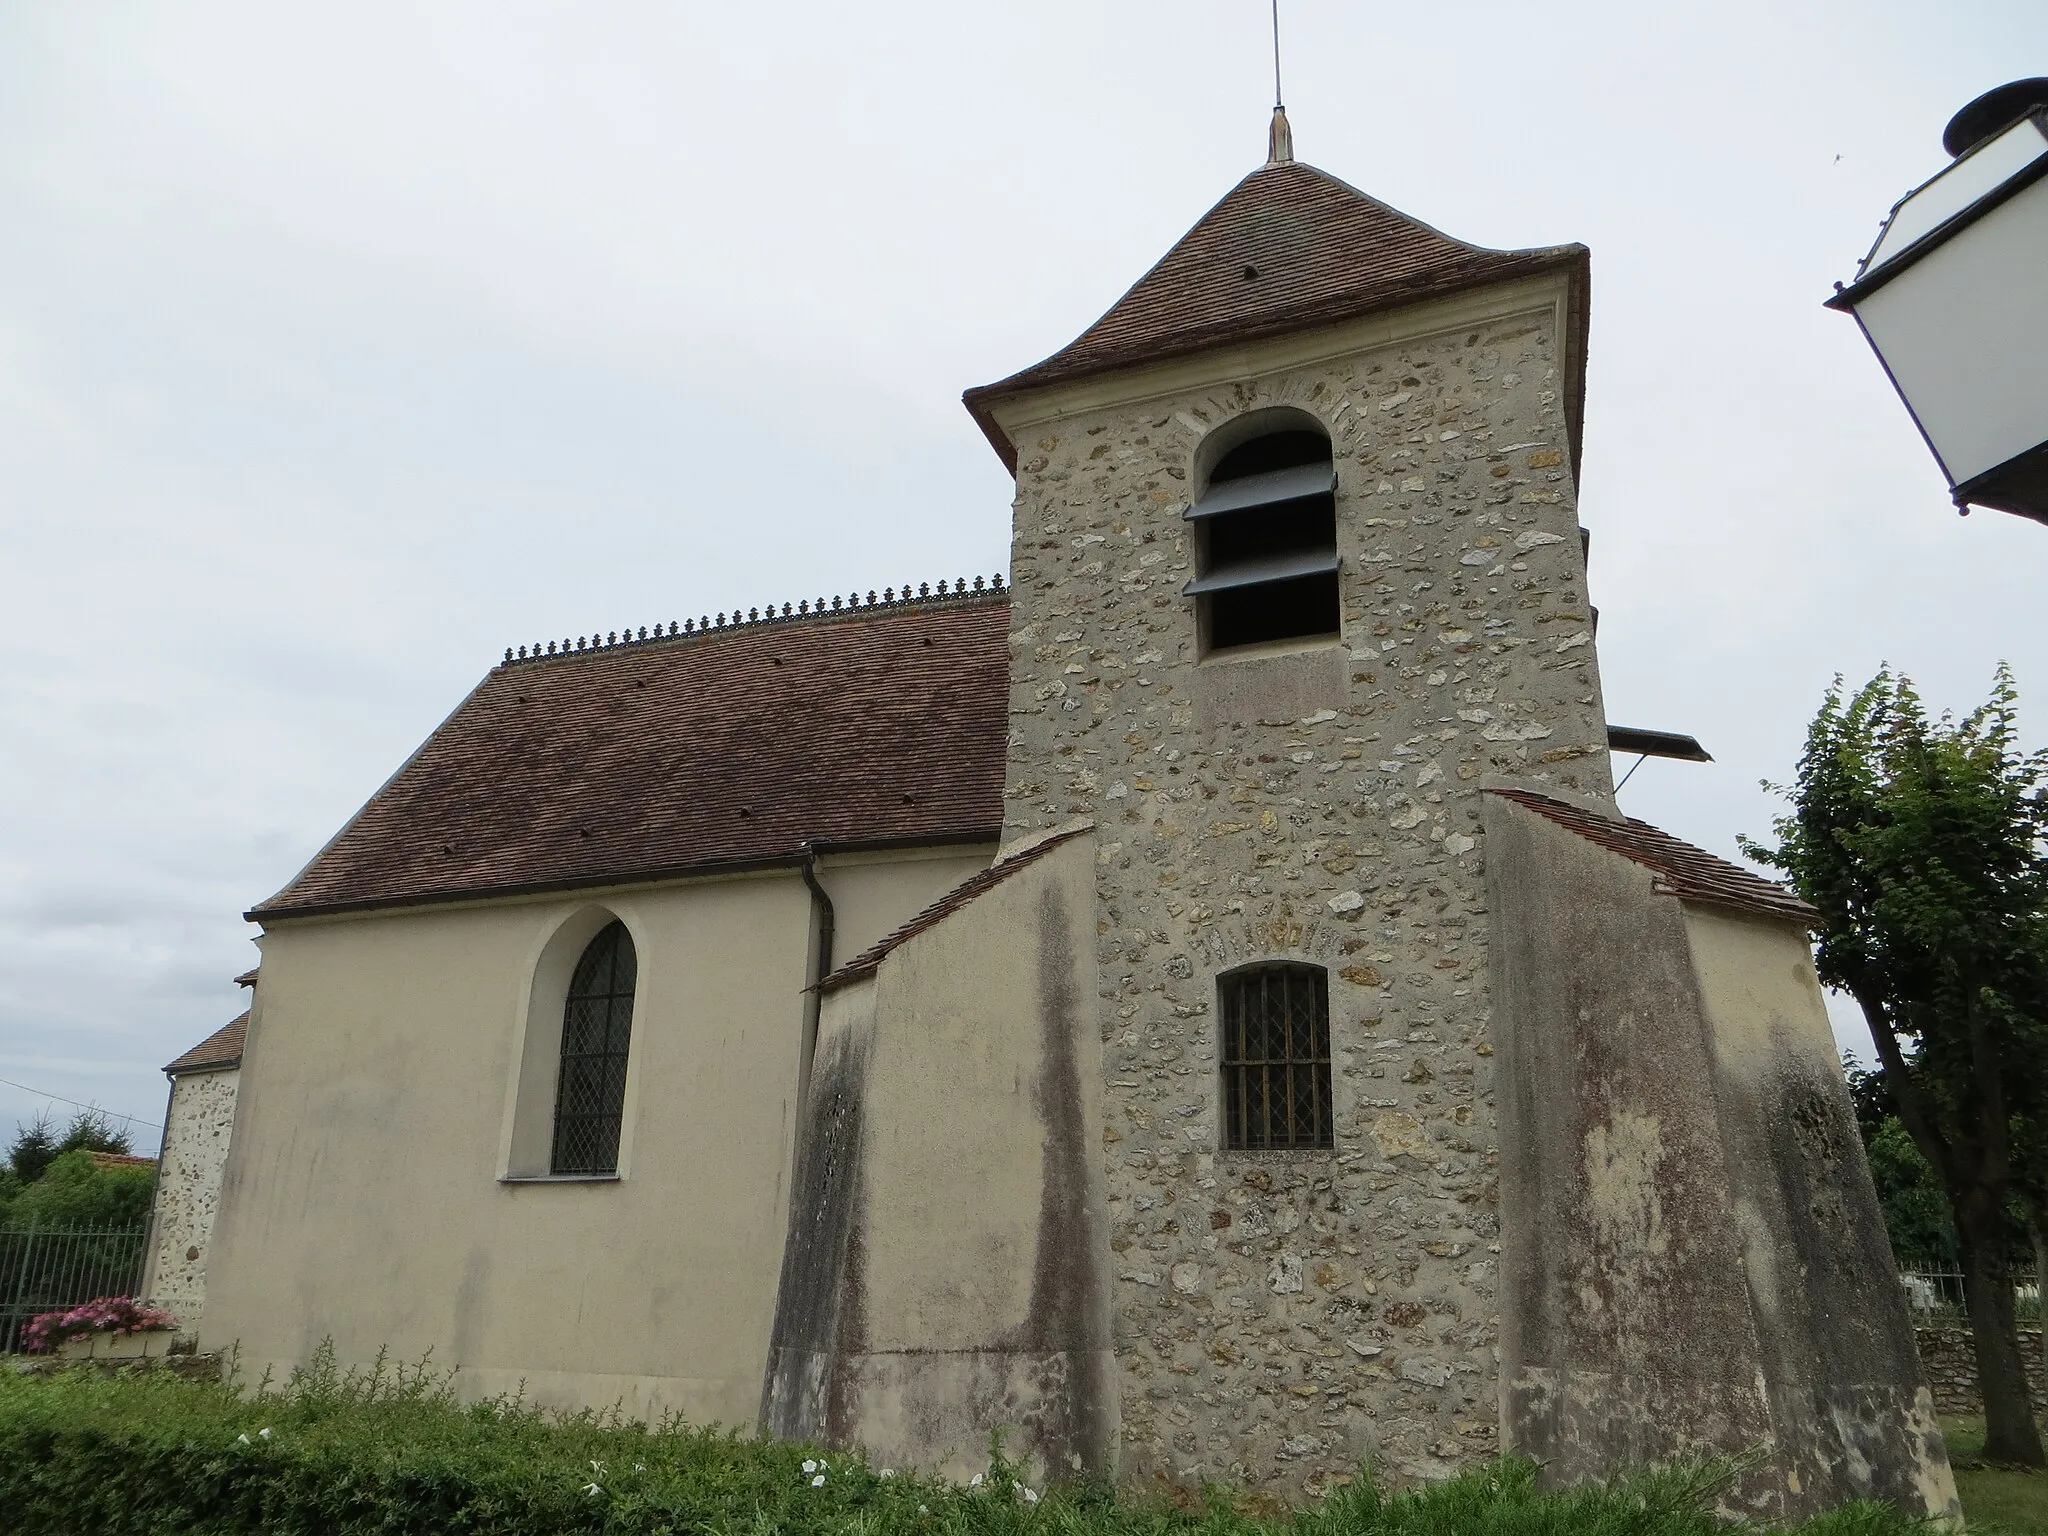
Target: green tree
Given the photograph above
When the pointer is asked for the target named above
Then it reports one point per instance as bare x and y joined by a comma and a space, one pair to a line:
52, 1180
75, 1191
33, 1149
1920, 843
92, 1130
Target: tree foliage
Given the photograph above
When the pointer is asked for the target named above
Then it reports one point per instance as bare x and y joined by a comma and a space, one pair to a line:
33, 1149
53, 1181
76, 1192
1920, 841
1916, 1214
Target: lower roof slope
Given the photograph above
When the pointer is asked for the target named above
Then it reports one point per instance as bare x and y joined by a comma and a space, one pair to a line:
725, 748
217, 1052
1680, 869
869, 960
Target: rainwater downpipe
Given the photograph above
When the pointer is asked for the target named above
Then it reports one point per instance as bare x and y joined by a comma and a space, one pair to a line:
823, 920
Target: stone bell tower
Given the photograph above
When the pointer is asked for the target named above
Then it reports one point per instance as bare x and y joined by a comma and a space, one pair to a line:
1283, 745
1390, 1167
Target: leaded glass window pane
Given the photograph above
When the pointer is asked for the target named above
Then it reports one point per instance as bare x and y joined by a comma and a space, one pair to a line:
597, 1025
1276, 1057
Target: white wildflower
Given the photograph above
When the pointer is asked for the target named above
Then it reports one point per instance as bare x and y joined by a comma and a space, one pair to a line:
639, 1466
597, 1467
810, 1467
886, 1472
818, 1481
265, 1434
974, 1481
1030, 1496
923, 1510
241, 1439
592, 1489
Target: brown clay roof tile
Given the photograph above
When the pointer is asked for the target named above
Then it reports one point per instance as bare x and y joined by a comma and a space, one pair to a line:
719, 749
1287, 248
219, 1050
1689, 873
118, 1160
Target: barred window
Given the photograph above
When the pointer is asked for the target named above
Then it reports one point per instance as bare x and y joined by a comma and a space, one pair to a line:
1276, 1057
597, 1021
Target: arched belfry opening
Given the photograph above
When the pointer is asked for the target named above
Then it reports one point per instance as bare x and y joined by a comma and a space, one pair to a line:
1265, 522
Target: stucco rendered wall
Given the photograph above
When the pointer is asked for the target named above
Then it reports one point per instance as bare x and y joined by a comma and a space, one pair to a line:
1278, 1317
197, 1125
948, 1269
364, 1199
1851, 1413
875, 893
1692, 1258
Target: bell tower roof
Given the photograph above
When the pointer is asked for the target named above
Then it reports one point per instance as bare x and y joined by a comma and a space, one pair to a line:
1288, 248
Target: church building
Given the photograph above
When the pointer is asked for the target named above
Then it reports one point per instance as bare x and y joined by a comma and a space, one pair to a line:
1194, 1007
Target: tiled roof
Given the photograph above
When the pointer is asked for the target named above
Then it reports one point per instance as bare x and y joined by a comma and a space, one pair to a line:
112, 1160
1689, 873
219, 1050
869, 960
247, 978
729, 747
1322, 251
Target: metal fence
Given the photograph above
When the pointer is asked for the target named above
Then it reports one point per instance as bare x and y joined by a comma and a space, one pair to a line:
1936, 1296
44, 1269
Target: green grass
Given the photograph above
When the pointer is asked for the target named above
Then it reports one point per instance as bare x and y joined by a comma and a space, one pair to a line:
144, 1453
1996, 1501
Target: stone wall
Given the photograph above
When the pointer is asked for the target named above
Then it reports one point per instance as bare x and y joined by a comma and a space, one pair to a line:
1279, 1316
1948, 1356
197, 1126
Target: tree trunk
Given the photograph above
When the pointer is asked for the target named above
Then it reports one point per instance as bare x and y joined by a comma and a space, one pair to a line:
2010, 1435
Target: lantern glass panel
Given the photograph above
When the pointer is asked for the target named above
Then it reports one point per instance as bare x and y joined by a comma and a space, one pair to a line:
1977, 174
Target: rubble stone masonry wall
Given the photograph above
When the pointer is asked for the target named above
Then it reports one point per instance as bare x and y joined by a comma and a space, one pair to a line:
196, 1131
1949, 1357
1278, 1316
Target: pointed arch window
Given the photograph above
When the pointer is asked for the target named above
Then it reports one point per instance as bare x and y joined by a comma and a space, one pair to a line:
1276, 1057
597, 1026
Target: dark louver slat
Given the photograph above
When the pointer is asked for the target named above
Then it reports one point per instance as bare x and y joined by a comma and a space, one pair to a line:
1297, 483
1280, 567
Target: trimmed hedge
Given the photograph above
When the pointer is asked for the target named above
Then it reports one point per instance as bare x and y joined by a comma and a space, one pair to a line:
145, 1453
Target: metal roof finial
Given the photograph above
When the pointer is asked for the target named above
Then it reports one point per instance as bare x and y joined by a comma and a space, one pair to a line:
1279, 136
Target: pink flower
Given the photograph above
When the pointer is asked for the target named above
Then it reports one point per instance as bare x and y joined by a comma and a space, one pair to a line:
117, 1315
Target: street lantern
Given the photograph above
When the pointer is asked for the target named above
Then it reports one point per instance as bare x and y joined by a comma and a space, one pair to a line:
1953, 298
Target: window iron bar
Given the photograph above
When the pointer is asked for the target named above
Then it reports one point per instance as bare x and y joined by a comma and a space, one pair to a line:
1276, 1058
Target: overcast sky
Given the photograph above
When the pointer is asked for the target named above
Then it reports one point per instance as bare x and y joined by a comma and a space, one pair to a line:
341, 347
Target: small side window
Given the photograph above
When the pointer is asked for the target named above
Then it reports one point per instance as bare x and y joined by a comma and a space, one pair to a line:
1266, 535
1276, 1057
597, 1026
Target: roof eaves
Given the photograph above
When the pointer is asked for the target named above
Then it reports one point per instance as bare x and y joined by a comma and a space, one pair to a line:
1574, 260
620, 880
